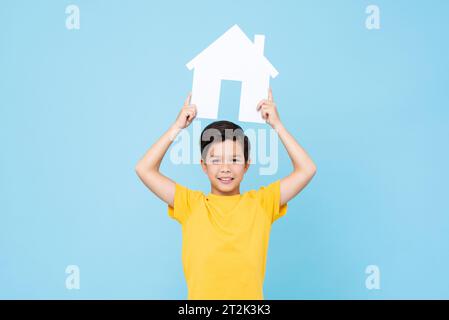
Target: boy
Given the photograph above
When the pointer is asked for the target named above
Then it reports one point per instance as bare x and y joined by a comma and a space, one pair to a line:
225, 233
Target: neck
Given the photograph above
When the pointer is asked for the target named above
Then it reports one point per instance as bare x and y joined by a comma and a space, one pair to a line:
217, 192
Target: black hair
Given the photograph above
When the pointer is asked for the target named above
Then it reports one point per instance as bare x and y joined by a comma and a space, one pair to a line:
219, 131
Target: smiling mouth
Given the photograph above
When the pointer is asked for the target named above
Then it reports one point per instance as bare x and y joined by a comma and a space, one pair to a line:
226, 180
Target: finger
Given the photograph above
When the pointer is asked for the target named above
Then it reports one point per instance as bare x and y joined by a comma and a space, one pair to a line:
192, 114
263, 114
192, 110
267, 115
261, 103
270, 95
188, 99
266, 107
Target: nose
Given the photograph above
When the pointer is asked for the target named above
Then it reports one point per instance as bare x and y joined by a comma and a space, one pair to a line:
225, 168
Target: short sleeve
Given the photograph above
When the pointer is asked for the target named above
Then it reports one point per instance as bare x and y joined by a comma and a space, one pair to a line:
183, 203
270, 198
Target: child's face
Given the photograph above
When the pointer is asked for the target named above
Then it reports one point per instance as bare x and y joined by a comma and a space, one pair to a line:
225, 166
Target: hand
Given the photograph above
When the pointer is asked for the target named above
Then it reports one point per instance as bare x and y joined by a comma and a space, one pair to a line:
187, 114
269, 111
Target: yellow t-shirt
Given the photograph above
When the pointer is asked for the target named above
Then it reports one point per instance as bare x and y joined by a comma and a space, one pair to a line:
225, 240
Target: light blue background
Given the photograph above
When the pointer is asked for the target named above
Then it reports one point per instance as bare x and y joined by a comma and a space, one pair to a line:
78, 108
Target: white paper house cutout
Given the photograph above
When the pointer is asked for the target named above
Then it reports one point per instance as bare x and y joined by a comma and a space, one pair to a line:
233, 56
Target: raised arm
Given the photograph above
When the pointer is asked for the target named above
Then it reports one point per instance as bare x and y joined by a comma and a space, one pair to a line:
148, 166
303, 167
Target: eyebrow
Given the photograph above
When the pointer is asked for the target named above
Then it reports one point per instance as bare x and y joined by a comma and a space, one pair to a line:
234, 156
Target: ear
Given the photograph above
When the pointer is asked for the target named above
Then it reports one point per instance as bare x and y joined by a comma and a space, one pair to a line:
247, 164
203, 166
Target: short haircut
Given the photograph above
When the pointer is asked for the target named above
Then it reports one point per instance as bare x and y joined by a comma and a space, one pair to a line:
220, 131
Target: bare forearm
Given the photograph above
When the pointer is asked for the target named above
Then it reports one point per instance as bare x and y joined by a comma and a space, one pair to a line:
147, 168
299, 157
304, 167
152, 159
